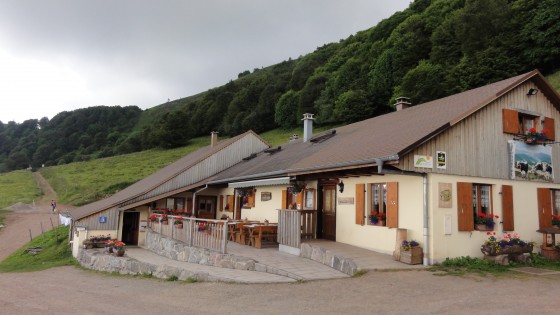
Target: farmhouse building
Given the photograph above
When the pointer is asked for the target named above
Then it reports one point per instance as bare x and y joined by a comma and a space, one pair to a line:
432, 169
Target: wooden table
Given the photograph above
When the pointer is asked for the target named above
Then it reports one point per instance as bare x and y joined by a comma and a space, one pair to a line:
258, 233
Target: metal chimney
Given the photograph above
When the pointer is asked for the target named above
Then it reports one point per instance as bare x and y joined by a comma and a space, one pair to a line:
213, 138
402, 103
307, 126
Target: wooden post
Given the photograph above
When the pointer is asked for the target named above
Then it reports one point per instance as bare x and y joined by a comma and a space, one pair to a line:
30, 236
42, 231
401, 236
52, 225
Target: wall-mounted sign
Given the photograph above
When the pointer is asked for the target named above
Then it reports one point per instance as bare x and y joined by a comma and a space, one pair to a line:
441, 160
345, 200
425, 161
143, 225
102, 219
530, 162
266, 195
444, 192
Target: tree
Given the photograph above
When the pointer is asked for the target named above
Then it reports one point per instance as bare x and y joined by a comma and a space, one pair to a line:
285, 114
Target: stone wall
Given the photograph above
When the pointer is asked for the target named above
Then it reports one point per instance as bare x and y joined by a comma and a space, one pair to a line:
176, 250
327, 258
96, 259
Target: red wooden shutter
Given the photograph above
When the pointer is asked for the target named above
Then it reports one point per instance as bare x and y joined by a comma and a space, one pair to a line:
251, 198
221, 204
549, 125
507, 208
231, 202
360, 203
465, 213
392, 205
545, 207
510, 121
284, 199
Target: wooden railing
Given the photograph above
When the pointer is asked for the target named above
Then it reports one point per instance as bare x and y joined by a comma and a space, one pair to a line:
295, 225
210, 234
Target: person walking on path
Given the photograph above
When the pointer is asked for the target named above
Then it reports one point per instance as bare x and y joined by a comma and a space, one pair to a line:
53, 206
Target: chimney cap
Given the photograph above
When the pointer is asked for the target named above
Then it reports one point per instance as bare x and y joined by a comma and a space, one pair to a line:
307, 116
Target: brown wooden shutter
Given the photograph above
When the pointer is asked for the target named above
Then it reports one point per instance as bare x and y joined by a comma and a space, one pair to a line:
465, 213
231, 202
360, 203
545, 207
284, 199
507, 208
392, 205
510, 121
221, 204
299, 200
549, 125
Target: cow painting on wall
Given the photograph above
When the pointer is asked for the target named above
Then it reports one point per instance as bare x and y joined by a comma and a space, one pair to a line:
531, 162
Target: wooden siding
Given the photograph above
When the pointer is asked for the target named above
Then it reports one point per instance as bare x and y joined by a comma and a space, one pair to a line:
477, 146
210, 166
92, 221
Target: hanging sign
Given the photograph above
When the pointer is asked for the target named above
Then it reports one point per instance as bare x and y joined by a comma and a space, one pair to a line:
102, 219
425, 161
441, 160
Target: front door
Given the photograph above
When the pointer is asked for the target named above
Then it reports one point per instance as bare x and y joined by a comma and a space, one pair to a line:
328, 212
131, 221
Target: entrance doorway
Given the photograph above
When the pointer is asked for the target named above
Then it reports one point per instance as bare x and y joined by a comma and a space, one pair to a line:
206, 207
327, 212
131, 221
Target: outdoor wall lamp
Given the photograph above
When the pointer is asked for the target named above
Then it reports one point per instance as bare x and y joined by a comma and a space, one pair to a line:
532, 91
341, 186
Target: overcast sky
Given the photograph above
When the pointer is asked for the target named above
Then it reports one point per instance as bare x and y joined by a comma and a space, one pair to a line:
62, 55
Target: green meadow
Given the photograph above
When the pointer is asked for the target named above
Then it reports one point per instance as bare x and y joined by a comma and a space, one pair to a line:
17, 186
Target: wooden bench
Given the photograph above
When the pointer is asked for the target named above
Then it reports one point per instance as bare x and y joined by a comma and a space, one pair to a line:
262, 233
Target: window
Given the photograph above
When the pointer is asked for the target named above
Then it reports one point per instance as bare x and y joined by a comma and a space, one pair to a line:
309, 199
517, 122
175, 203
205, 204
555, 194
378, 203
229, 203
472, 199
526, 122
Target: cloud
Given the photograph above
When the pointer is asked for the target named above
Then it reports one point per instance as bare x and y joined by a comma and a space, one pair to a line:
85, 53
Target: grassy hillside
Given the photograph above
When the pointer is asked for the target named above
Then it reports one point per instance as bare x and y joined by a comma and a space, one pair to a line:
17, 186
84, 182
554, 80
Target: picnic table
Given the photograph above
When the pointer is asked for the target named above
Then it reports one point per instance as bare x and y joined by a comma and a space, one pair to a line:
260, 233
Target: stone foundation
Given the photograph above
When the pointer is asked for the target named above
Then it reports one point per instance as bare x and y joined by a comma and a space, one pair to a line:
97, 259
327, 258
177, 250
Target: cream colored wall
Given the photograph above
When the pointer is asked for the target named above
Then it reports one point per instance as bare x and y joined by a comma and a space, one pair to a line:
379, 238
80, 235
265, 209
468, 243
224, 192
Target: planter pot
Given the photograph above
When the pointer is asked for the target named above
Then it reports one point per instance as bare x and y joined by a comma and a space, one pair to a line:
483, 227
507, 250
550, 253
179, 226
120, 252
380, 223
164, 222
414, 256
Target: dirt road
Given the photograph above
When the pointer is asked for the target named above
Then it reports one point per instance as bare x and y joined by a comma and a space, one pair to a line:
69, 290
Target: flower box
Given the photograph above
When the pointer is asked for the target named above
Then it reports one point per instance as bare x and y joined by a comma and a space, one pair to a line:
414, 256
483, 227
513, 249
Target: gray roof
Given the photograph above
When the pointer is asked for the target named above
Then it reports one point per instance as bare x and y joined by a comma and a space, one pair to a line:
387, 136
154, 180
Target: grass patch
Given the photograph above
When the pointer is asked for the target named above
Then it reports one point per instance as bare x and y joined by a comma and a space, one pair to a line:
466, 265
17, 186
56, 252
85, 182
359, 273
172, 278
554, 80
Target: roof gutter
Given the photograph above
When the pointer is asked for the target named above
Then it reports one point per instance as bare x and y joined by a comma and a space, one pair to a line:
194, 199
394, 157
380, 170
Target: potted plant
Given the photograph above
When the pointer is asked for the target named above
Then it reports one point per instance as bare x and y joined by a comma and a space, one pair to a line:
164, 219
203, 227
376, 218
119, 248
411, 252
556, 221
533, 136
485, 222
178, 222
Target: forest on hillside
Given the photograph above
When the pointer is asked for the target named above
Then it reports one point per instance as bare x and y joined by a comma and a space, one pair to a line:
432, 49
